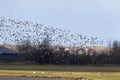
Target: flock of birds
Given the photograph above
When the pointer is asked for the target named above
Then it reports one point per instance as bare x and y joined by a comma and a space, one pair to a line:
16, 31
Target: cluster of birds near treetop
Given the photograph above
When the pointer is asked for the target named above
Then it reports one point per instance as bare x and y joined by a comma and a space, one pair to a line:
13, 31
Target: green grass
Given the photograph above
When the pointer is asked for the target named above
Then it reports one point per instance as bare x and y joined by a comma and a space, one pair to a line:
70, 72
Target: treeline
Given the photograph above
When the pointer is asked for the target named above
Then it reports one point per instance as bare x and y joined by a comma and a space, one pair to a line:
46, 54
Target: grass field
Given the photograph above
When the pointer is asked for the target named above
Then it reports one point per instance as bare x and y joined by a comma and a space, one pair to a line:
69, 72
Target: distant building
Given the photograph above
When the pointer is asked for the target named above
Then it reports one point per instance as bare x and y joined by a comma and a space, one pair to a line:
7, 54
81, 51
67, 49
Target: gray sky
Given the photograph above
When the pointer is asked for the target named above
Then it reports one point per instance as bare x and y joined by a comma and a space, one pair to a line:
99, 18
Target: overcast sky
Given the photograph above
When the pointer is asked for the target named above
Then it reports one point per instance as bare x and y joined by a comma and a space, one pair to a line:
89, 17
